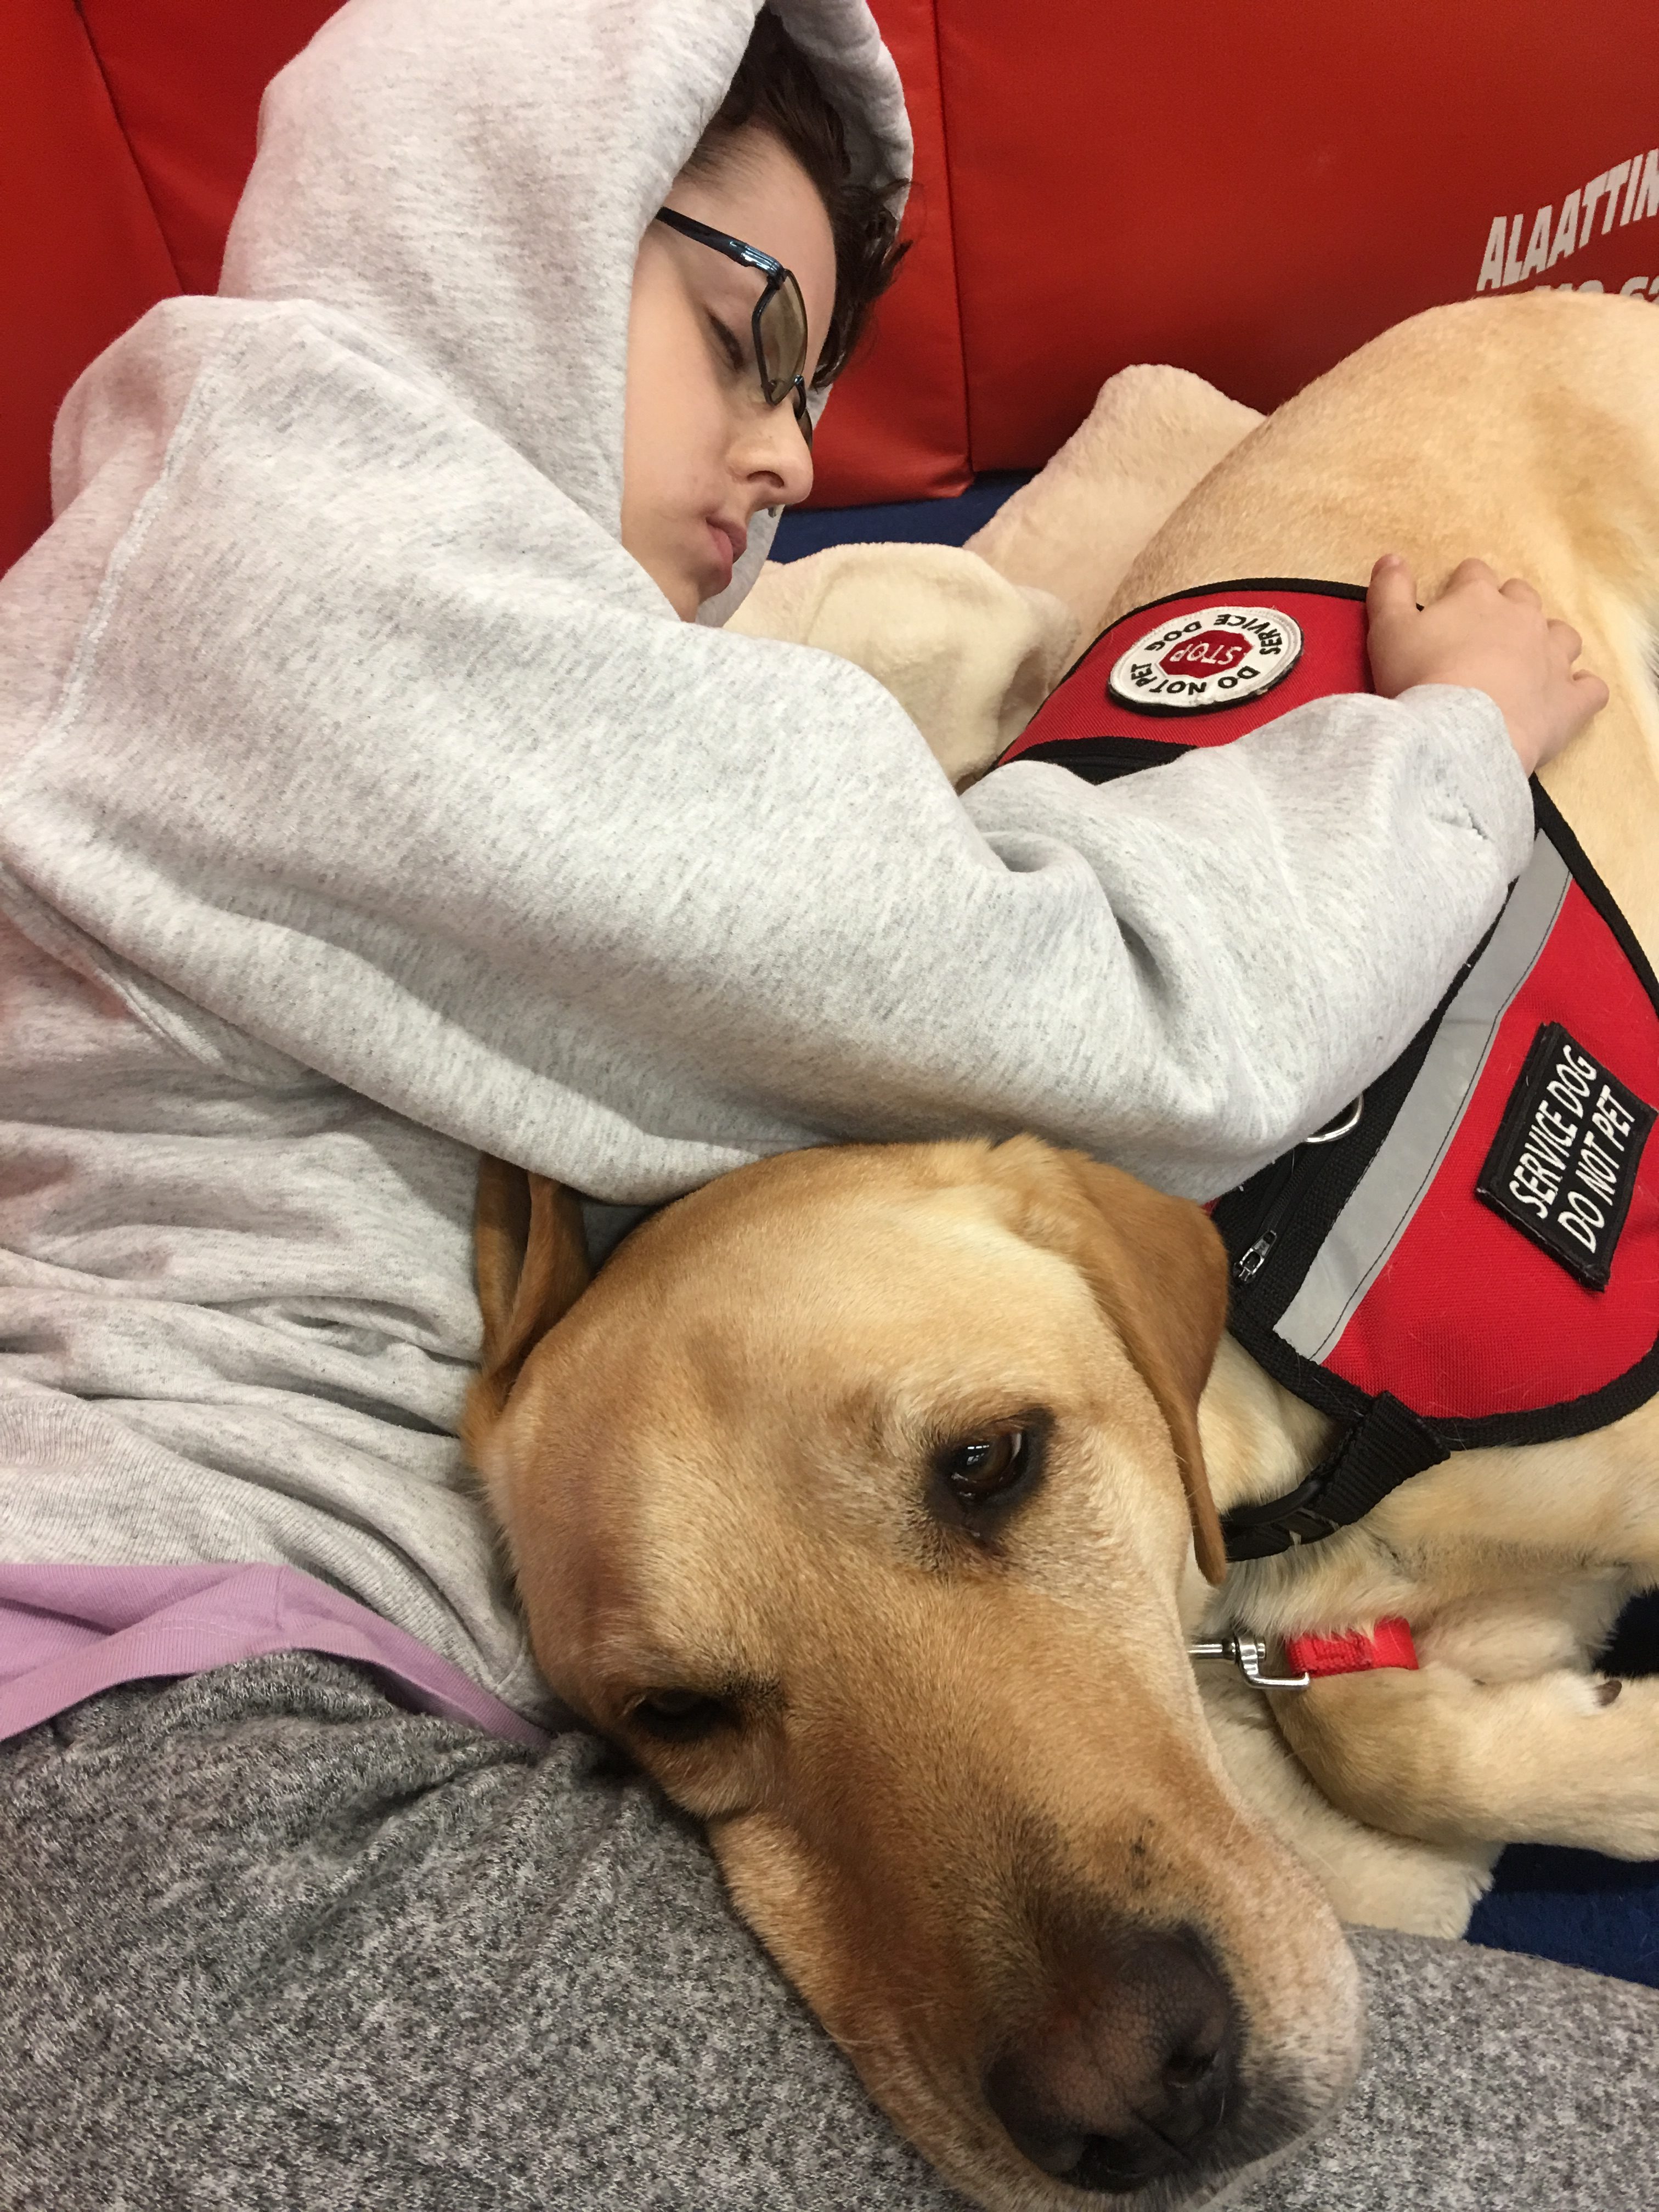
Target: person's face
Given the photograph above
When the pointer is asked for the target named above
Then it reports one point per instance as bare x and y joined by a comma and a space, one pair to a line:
701, 450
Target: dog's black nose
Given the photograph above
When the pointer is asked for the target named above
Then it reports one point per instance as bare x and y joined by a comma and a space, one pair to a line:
1129, 2069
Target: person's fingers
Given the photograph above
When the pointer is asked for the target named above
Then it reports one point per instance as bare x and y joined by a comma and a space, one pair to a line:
1393, 590
1518, 589
1589, 692
1470, 572
1564, 635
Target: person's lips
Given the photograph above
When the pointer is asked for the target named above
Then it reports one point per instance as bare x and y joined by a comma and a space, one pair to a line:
727, 540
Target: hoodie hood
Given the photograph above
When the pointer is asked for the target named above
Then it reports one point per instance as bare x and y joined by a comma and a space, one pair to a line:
468, 182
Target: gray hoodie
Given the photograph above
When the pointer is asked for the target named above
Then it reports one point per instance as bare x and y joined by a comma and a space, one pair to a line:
363, 803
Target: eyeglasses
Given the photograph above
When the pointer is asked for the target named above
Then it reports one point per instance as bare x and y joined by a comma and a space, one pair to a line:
779, 322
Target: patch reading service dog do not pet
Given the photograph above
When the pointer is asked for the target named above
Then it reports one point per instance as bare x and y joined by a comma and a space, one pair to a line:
1213, 657
1562, 1165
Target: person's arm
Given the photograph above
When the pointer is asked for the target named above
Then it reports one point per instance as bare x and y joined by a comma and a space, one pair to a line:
372, 775
1286, 911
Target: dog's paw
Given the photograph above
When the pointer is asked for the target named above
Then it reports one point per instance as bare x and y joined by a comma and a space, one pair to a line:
1618, 1812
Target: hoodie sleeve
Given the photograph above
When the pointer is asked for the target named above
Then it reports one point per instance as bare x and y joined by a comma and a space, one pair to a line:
407, 772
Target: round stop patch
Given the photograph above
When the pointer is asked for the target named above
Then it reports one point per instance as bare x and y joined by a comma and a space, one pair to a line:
1212, 656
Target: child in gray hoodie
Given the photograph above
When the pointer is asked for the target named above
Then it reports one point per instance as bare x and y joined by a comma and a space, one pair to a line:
369, 797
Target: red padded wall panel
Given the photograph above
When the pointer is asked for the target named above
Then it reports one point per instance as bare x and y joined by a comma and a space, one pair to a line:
1252, 193
80, 253
185, 78
897, 428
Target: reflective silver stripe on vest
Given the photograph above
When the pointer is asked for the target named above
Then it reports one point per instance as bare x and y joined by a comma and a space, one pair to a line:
1388, 1194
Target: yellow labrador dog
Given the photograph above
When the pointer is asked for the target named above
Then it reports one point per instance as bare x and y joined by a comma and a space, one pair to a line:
870, 1495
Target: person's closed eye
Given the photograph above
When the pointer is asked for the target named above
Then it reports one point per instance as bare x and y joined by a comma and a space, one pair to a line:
728, 348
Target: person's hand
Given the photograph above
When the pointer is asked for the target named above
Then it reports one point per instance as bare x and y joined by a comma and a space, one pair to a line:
1493, 636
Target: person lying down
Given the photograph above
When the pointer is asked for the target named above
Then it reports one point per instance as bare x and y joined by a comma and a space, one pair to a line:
377, 788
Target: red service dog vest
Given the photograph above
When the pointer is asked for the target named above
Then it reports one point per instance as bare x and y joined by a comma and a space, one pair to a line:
1470, 1255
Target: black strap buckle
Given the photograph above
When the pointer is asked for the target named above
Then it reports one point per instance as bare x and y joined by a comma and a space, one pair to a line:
1255, 1532
1386, 1448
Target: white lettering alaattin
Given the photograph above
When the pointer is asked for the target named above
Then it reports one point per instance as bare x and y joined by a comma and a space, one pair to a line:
1538, 246
1566, 231
1615, 178
1491, 264
1512, 256
1593, 192
1627, 193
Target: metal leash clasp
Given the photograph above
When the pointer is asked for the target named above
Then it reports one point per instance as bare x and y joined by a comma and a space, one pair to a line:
1249, 1655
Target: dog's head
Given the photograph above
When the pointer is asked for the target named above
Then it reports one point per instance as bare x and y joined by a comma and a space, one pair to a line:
854, 1499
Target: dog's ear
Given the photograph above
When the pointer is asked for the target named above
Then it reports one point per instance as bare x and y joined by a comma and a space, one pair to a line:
532, 1255
1158, 1271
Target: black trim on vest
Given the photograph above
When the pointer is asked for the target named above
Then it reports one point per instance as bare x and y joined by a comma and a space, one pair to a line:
1318, 587
1102, 760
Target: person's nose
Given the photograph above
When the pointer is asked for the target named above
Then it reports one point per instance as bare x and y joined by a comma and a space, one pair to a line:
773, 457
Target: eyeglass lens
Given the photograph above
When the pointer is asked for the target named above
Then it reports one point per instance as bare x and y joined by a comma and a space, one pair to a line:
783, 364
783, 339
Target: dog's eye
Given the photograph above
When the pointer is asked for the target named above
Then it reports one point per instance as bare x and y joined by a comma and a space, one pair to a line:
680, 1716
991, 1466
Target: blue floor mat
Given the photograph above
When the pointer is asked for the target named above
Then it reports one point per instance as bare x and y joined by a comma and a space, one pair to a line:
903, 522
1575, 1907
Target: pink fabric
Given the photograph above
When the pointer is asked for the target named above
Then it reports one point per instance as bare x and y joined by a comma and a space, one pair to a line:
68, 1632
